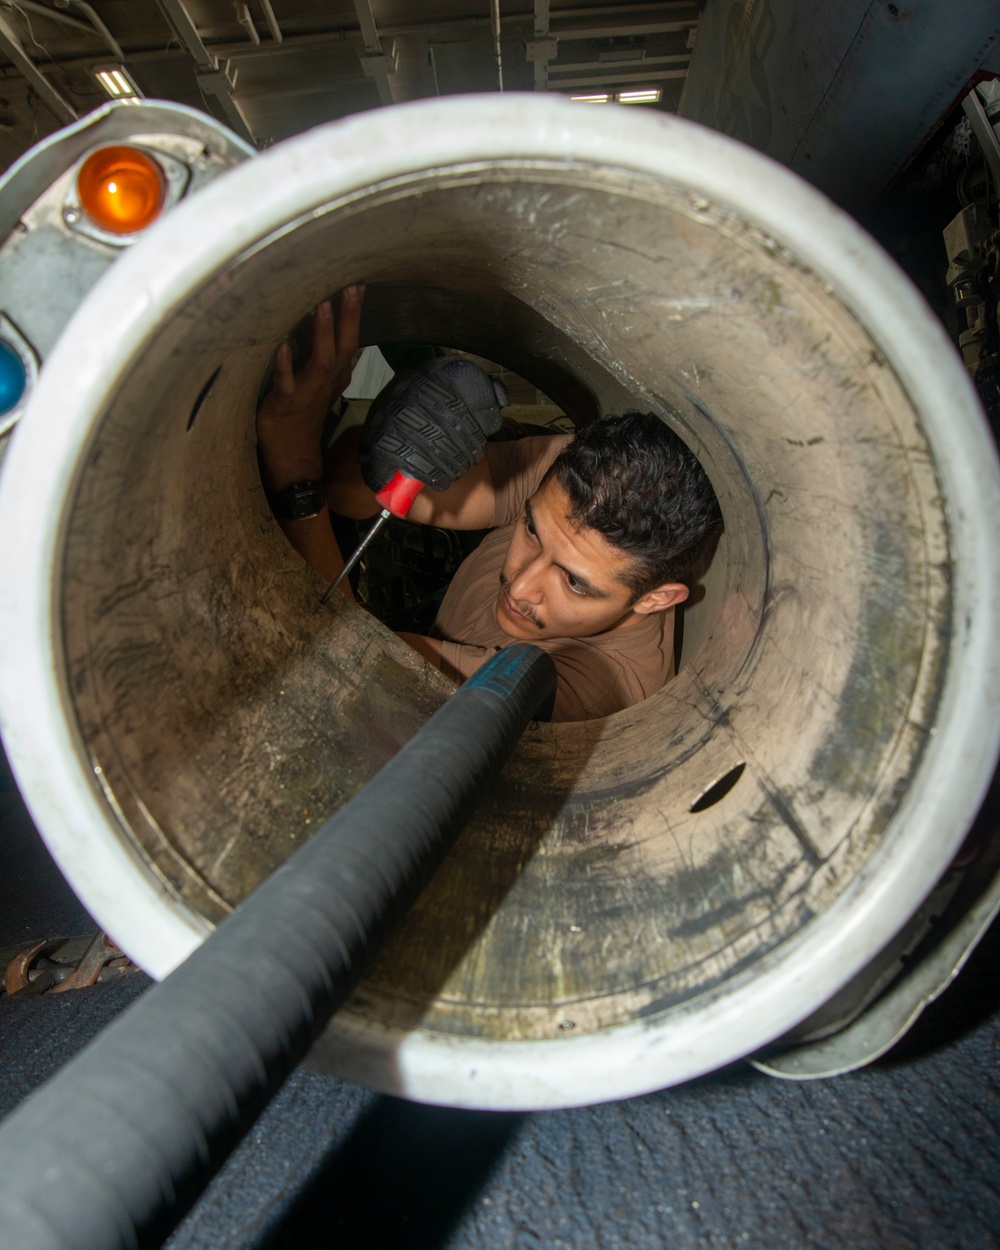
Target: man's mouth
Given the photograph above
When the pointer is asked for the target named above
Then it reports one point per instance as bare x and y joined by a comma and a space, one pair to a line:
514, 613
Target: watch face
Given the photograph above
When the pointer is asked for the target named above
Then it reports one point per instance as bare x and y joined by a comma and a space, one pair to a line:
306, 501
297, 502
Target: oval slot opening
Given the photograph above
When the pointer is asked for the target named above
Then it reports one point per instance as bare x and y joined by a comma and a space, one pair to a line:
718, 789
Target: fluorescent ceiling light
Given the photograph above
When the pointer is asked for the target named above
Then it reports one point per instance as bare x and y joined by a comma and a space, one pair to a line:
649, 95
116, 82
601, 97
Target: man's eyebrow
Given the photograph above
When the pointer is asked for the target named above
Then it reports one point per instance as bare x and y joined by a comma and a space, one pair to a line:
587, 585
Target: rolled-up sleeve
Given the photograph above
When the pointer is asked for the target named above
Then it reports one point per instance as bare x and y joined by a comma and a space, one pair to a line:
516, 468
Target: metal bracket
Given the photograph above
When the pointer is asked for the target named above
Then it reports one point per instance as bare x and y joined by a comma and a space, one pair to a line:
219, 83
381, 65
542, 49
984, 131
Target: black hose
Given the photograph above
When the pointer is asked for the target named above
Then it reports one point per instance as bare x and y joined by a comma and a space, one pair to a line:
113, 1150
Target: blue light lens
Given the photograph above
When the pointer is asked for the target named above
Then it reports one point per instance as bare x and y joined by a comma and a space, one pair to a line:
13, 378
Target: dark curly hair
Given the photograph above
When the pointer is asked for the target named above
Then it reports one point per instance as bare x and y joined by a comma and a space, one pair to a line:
636, 482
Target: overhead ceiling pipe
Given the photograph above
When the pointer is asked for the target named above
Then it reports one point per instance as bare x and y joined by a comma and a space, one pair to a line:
272, 21
64, 19
97, 22
497, 50
11, 46
646, 897
247, 22
442, 30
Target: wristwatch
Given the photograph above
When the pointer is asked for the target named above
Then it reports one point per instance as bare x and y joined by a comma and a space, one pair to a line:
297, 502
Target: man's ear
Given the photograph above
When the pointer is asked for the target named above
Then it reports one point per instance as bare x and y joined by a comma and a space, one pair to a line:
663, 597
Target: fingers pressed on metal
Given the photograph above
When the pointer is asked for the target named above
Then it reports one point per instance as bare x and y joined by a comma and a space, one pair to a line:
349, 323
284, 376
324, 344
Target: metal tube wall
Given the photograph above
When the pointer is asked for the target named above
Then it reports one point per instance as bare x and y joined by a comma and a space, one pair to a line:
615, 934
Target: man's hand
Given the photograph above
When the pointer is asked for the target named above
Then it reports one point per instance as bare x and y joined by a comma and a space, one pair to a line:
430, 423
291, 415
290, 422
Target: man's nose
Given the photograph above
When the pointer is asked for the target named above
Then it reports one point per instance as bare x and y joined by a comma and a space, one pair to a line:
527, 582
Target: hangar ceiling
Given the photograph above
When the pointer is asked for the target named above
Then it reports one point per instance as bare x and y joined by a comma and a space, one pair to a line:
273, 68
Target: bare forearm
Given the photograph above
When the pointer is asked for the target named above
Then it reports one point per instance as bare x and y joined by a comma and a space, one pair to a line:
346, 489
311, 537
314, 540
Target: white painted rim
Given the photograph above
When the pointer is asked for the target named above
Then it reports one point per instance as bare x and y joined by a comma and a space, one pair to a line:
204, 235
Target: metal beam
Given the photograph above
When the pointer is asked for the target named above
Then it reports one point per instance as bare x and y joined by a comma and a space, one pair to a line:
236, 52
375, 64
542, 49
610, 83
218, 85
244, 51
984, 131
607, 67
245, 19
657, 8
98, 24
495, 21
10, 44
31, 6
615, 32
272, 21
599, 84
368, 39
366, 20
187, 33
214, 80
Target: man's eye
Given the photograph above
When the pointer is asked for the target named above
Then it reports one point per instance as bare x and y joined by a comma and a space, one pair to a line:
529, 525
576, 587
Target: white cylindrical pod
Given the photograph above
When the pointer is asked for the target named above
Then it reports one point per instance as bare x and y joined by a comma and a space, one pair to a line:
181, 711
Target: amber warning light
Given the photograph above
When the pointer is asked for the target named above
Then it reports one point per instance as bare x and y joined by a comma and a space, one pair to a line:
121, 189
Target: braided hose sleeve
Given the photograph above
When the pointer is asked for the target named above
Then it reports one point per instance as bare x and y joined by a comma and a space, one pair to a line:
127, 1135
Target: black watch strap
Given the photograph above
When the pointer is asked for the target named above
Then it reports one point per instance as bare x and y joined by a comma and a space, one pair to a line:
297, 502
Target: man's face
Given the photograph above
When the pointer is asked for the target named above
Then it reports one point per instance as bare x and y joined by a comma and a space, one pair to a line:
560, 579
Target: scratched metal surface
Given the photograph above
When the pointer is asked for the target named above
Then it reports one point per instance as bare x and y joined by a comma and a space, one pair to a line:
228, 712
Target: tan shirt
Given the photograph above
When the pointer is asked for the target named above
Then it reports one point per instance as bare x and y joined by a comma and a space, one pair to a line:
595, 676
